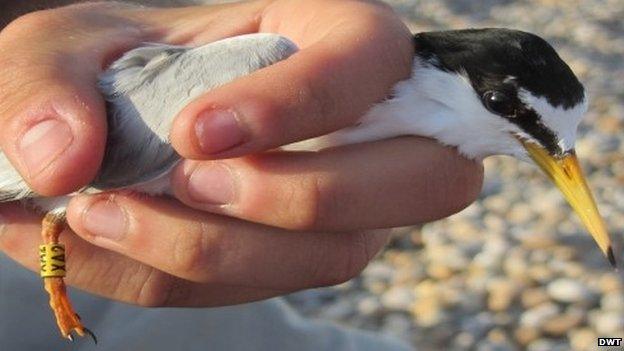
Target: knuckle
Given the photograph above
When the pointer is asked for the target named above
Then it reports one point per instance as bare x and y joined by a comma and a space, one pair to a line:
317, 203
126, 281
321, 100
33, 21
156, 290
303, 203
197, 252
266, 115
349, 264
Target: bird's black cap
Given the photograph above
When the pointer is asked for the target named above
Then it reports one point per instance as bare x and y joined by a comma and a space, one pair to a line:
491, 56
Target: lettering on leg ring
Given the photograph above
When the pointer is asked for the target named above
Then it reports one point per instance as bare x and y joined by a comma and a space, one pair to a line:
52, 260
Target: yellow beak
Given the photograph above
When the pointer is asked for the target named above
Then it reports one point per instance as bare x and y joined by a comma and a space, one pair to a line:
566, 173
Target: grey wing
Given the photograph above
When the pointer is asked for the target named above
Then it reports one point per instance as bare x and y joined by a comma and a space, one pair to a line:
12, 185
147, 87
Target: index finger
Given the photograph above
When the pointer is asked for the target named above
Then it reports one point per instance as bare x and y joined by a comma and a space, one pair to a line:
351, 54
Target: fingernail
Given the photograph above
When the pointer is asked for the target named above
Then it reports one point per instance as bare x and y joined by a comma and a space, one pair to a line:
211, 183
218, 131
105, 219
43, 144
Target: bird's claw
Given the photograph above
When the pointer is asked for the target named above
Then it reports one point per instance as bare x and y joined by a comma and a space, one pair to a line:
85, 331
67, 320
91, 334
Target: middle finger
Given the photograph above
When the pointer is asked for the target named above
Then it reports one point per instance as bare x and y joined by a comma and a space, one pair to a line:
113, 275
390, 183
214, 249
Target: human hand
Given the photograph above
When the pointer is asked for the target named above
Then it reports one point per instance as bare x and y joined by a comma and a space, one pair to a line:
153, 252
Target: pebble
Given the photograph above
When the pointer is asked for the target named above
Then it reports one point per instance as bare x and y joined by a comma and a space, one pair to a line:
541, 273
533, 297
583, 339
559, 325
569, 291
369, 305
502, 292
613, 301
568, 269
524, 335
488, 345
464, 341
520, 213
547, 345
517, 267
439, 271
494, 224
478, 325
398, 298
450, 296
504, 319
538, 242
428, 312
496, 204
611, 282
380, 271
565, 253
537, 316
607, 322
471, 302
397, 324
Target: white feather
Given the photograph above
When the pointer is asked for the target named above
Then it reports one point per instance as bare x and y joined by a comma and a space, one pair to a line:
12, 185
562, 121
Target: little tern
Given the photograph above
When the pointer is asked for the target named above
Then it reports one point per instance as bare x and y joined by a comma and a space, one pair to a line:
484, 91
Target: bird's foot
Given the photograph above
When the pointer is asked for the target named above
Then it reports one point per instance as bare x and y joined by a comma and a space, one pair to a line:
67, 319
52, 258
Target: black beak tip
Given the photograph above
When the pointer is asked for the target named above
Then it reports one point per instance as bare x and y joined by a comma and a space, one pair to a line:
611, 257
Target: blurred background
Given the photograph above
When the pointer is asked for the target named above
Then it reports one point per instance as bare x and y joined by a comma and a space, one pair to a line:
516, 270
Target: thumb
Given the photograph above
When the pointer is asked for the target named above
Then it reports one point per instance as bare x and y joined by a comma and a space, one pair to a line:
53, 117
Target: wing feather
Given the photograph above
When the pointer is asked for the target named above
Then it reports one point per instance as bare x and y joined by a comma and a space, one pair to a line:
145, 89
150, 85
12, 185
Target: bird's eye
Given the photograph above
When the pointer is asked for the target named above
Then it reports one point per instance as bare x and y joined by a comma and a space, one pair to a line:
499, 103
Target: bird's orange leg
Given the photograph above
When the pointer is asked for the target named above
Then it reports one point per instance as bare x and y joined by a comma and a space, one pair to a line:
52, 258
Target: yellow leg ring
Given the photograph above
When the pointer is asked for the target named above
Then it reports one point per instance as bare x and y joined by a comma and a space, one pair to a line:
52, 260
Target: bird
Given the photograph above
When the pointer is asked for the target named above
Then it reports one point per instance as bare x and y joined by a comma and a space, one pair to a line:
486, 91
